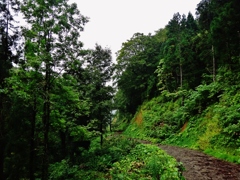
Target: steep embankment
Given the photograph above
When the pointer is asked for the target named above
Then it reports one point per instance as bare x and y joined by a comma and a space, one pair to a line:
206, 121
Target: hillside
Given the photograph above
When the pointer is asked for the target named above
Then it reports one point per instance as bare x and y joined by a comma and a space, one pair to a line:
59, 101
180, 85
206, 121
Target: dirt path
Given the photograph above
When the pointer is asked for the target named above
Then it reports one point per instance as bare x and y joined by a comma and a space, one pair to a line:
200, 166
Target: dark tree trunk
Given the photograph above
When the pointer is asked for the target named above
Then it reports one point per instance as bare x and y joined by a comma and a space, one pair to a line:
32, 141
1, 160
181, 75
46, 123
214, 65
63, 144
2, 144
46, 115
3, 74
101, 131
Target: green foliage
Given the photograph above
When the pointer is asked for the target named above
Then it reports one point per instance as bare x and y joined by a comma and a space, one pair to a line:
9, 53
182, 81
223, 154
178, 65
134, 73
97, 162
119, 158
63, 170
146, 162
160, 119
198, 75
208, 119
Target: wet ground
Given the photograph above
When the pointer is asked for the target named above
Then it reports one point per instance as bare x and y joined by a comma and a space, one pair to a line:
200, 166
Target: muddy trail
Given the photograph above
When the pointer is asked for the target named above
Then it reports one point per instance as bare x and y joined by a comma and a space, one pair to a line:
199, 166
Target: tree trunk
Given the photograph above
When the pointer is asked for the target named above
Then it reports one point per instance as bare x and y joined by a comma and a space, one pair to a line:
46, 116
46, 122
1, 159
45, 141
63, 144
4, 58
2, 142
32, 141
181, 76
214, 65
101, 131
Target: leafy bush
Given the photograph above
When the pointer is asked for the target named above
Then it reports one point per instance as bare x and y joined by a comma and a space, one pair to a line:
211, 112
147, 162
63, 171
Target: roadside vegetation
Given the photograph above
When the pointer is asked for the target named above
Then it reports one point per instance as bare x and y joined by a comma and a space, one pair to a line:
119, 158
213, 129
178, 86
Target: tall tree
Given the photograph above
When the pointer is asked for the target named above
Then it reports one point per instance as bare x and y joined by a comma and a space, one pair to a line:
98, 71
205, 15
178, 66
136, 63
23, 89
225, 33
8, 43
54, 32
190, 63
170, 67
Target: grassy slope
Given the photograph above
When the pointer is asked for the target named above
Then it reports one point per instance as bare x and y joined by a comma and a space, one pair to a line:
214, 130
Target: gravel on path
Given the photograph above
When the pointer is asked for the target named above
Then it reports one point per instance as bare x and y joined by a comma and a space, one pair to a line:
199, 166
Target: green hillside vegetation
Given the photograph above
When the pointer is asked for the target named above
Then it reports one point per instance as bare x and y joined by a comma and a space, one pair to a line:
180, 86
213, 129
177, 86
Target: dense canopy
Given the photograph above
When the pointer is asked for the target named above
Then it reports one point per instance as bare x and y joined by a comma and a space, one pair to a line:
58, 98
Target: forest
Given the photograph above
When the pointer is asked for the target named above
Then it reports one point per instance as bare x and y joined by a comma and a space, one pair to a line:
67, 112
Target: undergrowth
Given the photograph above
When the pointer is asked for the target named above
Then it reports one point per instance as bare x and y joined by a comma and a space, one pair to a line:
208, 120
119, 158
147, 162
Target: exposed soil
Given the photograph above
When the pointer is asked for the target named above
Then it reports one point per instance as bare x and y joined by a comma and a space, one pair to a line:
200, 166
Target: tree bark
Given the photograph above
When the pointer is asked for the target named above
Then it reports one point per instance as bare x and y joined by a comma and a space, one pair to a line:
181, 75
32, 141
46, 122
101, 131
63, 144
214, 65
2, 141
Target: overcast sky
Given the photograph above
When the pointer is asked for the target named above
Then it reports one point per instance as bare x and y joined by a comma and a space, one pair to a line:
113, 22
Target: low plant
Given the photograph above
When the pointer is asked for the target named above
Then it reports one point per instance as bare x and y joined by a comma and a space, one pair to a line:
63, 170
147, 162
